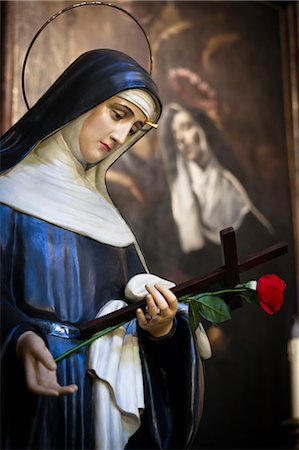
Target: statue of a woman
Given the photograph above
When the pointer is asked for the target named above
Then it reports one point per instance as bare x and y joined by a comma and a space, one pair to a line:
66, 253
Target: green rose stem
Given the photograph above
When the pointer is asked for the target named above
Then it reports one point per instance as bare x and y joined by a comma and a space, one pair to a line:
184, 299
88, 341
201, 305
189, 298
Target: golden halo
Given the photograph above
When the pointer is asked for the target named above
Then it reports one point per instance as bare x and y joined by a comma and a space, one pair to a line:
77, 5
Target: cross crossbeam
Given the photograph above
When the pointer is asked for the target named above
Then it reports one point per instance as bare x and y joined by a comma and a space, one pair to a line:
229, 273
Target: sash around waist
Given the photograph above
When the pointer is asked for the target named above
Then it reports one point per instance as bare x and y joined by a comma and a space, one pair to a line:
58, 329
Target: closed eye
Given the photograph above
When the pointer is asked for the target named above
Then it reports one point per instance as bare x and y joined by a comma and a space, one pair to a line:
136, 127
117, 115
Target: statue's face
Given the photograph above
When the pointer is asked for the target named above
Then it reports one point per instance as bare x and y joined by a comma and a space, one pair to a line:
190, 138
107, 127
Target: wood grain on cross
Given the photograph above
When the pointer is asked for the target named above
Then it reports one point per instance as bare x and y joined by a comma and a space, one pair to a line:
229, 273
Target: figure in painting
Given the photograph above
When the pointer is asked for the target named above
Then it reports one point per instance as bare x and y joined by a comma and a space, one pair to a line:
68, 254
205, 196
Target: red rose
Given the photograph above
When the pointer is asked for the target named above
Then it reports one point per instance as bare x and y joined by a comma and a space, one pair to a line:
270, 292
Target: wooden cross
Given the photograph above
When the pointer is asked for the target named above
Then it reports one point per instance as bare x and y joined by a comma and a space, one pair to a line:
229, 273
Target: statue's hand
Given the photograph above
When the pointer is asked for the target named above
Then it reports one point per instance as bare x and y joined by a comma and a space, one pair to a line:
162, 306
40, 367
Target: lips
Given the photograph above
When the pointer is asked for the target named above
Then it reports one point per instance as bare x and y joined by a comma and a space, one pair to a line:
106, 146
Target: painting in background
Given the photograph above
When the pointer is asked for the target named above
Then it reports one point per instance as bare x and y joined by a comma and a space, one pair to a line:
218, 158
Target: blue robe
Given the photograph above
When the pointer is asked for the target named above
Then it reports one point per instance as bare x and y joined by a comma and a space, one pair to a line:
52, 277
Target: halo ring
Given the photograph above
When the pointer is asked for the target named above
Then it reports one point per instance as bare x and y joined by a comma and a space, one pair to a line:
77, 5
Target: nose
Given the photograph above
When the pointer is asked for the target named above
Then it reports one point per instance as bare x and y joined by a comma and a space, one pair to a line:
192, 137
120, 133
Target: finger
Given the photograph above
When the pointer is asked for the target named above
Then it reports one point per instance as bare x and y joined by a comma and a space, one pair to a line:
168, 295
157, 297
67, 390
141, 318
151, 306
54, 391
43, 390
48, 379
41, 381
30, 374
42, 354
32, 380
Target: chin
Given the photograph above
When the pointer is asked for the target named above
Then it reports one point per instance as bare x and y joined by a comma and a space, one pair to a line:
95, 157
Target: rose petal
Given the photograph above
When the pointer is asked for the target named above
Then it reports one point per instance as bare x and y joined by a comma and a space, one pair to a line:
270, 291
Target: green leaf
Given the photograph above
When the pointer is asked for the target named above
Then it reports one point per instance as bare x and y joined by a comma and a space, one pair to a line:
212, 308
194, 315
